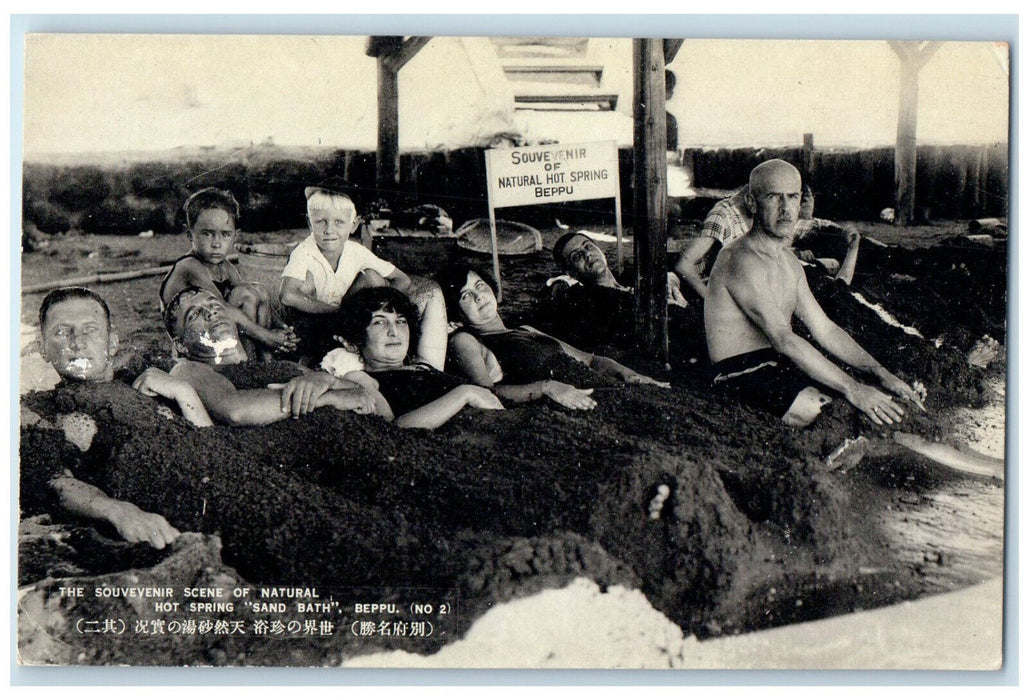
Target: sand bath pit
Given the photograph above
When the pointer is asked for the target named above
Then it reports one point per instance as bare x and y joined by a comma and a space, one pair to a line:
751, 523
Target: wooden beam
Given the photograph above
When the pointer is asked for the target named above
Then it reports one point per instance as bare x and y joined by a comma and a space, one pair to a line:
672, 47
650, 197
382, 45
408, 50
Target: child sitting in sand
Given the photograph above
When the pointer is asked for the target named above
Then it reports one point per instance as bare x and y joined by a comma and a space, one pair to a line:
211, 216
326, 267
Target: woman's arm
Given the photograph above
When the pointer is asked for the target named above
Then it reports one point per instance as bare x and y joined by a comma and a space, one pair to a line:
435, 413
473, 359
601, 364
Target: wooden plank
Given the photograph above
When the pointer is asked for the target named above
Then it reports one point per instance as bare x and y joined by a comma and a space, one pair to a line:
608, 99
671, 48
408, 50
649, 199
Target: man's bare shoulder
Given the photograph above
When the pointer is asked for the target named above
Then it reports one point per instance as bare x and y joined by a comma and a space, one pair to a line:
191, 370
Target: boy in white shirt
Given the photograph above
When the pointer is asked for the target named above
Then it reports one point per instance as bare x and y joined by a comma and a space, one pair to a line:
327, 266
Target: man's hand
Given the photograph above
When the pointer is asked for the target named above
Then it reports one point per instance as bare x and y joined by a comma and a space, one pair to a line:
879, 407
674, 291
480, 397
136, 525
358, 400
915, 393
806, 256
569, 396
300, 394
156, 382
852, 235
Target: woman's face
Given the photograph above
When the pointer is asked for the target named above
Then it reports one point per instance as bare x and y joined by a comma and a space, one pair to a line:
477, 301
388, 337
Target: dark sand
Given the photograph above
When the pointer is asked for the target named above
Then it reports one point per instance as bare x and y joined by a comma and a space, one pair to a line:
499, 505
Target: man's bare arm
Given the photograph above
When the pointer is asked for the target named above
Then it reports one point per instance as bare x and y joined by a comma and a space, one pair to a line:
690, 260
749, 284
841, 345
132, 523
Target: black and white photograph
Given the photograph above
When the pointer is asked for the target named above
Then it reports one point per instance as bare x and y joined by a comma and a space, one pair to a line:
452, 351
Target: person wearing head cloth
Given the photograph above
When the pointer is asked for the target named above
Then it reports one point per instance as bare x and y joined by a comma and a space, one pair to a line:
327, 266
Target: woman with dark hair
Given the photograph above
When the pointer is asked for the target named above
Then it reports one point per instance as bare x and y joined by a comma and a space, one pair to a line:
380, 324
534, 364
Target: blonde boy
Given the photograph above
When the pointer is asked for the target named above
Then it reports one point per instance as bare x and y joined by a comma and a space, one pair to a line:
327, 266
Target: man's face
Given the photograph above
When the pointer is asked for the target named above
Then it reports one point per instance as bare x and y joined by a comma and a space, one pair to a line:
204, 332
388, 337
775, 202
584, 259
212, 235
331, 222
78, 341
477, 301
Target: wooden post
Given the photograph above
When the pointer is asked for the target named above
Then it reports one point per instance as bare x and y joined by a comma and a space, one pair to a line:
808, 158
649, 199
387, 160
391, 54
912, 57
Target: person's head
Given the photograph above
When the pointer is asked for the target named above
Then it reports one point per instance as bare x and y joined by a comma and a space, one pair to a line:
381, 323
470, 295
774, 198
669, 84
577, 254
76, 335
332, 217
211, 216
200, 327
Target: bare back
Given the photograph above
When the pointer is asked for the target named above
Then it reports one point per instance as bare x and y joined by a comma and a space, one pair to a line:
749, 289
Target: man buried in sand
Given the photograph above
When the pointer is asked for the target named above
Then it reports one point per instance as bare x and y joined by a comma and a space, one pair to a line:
326, 266
211, 216
215, 364
78, 341
756, 288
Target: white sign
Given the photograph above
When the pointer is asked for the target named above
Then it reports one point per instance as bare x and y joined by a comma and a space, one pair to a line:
552, 173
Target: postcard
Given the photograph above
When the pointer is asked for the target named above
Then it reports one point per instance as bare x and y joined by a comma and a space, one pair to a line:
513, 352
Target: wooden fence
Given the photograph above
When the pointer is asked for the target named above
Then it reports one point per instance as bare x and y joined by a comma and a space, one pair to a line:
953, 182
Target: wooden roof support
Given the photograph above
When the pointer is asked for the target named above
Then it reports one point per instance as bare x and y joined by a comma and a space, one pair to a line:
913, 55
650, 198
671, 47
391, 54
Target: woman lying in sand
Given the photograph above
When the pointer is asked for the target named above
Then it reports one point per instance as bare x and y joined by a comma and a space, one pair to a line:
377, 323
529, 359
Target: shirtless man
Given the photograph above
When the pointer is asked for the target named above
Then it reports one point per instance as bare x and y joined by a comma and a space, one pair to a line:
205, 337
756, 288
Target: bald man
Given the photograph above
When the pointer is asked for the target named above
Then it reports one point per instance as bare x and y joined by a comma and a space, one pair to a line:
757, 286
